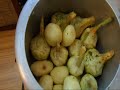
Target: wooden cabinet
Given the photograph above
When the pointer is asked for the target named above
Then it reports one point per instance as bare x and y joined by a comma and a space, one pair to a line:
8, 15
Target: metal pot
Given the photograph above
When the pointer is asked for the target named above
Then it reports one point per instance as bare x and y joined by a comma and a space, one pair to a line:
28, 26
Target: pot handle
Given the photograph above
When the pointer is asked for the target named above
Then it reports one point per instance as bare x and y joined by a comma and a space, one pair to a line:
115, 5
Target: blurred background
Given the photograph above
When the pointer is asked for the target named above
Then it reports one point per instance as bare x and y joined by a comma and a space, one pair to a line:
9, 12
9, 75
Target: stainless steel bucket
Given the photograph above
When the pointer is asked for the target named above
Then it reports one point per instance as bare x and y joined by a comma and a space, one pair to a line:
109, 37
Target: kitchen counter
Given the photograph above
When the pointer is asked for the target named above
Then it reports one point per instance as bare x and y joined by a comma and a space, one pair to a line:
9, 74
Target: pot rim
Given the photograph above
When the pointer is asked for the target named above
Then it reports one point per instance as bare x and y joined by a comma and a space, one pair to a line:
21, 58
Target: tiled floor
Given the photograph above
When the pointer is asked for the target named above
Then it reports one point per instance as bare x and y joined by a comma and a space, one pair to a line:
9, 74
